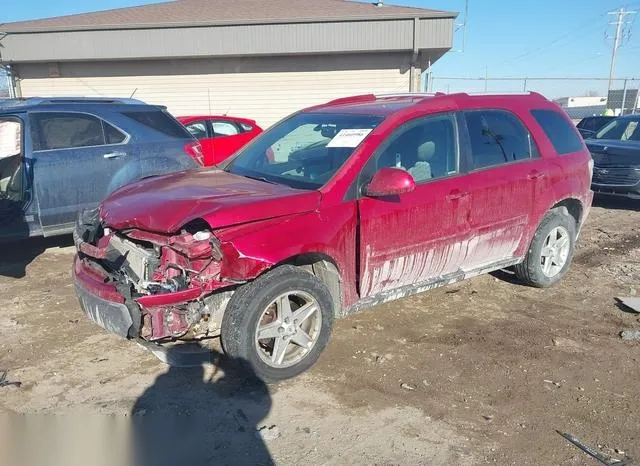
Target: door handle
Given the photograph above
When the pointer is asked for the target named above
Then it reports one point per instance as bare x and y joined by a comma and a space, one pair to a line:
535, 175
114, 155
456, 195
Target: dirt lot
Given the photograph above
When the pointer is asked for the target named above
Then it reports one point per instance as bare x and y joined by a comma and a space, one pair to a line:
479, 372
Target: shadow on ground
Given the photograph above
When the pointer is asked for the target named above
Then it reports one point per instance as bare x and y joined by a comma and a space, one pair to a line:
617, 203
186, 417
16, 255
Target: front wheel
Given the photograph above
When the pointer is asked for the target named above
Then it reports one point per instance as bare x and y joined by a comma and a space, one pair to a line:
278, 324
551, 250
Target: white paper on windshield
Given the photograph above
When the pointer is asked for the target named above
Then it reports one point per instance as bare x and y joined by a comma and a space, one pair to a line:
349, 137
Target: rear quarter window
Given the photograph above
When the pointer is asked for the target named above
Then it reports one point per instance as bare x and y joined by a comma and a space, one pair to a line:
161, 122
561, 133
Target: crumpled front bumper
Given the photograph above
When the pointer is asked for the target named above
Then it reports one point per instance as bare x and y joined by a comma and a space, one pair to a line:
100, 301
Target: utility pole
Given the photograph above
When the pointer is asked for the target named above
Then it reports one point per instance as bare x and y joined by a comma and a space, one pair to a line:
620, 35
486, 78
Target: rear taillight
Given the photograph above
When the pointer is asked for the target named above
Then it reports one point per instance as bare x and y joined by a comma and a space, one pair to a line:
194, 149
590, 170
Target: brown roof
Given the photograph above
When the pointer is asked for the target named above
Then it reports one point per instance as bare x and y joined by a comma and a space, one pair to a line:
211, 12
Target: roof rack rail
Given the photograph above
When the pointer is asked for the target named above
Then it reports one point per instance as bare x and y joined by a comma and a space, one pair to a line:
87, 100
410, 94
352, 99
532, 93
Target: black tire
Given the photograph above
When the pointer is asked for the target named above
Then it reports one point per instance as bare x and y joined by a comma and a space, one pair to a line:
246, 307
530, 271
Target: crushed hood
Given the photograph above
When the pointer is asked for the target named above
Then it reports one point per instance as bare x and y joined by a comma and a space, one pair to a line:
166, 203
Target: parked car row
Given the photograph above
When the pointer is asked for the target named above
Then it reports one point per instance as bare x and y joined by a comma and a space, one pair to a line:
337, 208
59, 156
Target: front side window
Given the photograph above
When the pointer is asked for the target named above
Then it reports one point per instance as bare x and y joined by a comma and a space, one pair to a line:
425, 147
304, 151
11, 166
621, 129
497, 137
10, 138
224, 128
198, 129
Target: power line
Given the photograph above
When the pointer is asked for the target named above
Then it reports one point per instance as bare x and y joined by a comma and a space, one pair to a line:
555, 41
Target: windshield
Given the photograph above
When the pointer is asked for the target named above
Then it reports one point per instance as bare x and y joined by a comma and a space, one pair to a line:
304, 151
621, 129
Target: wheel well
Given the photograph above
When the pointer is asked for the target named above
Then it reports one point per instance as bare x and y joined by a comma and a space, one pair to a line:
573, 206
325, 269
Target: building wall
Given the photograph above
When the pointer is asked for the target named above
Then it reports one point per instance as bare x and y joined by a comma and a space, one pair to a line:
265, 89
434, 34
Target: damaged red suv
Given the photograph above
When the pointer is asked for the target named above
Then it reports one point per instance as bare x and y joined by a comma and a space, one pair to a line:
342, 206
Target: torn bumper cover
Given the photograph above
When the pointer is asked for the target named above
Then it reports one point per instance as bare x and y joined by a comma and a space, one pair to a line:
100, 302
144, 285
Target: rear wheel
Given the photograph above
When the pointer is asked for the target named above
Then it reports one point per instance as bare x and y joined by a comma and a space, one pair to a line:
278, 324
551, 250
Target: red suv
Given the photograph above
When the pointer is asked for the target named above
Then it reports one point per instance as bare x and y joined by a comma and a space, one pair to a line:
339, 207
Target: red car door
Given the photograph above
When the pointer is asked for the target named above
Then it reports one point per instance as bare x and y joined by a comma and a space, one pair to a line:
415, 238
505, 173
200, 130
228, 138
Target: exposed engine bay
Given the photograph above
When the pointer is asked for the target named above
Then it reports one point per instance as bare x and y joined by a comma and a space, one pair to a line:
166, 280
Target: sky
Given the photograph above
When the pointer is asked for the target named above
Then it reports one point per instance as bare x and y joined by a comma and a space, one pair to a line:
558, 38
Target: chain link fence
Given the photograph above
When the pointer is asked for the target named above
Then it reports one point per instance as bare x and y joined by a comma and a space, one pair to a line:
580, 96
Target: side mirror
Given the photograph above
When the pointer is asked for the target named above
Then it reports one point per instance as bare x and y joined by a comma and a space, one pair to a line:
586, 133
390, 182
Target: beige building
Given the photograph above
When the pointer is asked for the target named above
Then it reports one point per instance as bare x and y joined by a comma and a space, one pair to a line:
251, 58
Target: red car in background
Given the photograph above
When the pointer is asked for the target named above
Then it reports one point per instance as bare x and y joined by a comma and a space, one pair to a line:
220, 136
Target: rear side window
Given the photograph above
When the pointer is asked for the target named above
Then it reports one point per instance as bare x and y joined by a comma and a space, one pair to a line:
497, 137
51, 131
224, 128
563, 136
113, 135
159, 121
65, 130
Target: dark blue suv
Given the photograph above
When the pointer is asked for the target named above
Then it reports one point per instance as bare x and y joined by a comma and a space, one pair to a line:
60, 156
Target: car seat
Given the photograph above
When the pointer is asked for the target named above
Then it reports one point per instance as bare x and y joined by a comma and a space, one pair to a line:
421, 171
11, 178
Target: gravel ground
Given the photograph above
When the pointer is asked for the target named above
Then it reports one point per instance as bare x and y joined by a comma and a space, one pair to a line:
483, 371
